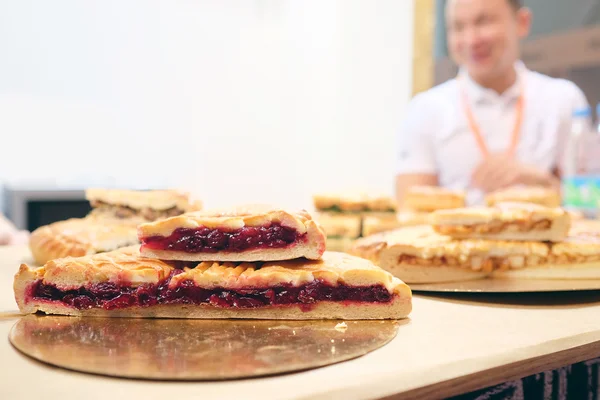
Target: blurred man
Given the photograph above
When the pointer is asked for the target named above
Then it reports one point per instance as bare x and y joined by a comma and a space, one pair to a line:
496, 124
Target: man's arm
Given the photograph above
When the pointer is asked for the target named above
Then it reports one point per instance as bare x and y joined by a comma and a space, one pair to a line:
415, 156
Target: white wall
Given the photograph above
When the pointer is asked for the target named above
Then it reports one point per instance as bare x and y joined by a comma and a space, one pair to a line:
264, 100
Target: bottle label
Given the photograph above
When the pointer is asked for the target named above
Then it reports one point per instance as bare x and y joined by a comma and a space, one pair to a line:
581, 191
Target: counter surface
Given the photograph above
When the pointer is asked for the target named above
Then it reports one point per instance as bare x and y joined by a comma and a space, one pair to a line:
450, 345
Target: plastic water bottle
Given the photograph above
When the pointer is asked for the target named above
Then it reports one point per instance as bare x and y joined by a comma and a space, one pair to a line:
581, 175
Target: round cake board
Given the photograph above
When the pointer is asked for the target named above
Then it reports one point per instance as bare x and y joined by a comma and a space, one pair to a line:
509, 286
180, 349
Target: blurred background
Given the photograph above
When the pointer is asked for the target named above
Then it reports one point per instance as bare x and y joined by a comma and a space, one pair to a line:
237, 101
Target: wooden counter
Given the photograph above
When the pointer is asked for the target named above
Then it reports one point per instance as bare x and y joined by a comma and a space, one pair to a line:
450, 345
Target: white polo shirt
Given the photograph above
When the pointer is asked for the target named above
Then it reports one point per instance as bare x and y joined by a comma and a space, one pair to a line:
435, 137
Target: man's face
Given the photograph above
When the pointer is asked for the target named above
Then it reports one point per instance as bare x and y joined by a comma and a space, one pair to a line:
483, 35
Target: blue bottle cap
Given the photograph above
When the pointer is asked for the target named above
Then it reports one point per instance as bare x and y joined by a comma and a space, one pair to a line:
582, 112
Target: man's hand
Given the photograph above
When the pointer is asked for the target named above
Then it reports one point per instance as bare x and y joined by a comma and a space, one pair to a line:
501, 171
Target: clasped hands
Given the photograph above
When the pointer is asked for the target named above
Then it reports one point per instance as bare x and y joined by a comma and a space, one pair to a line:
499, 171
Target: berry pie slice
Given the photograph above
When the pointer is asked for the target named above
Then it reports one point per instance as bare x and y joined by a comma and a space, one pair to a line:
125, 284
254, 233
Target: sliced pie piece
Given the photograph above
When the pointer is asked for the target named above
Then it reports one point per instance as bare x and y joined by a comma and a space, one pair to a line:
525, 194
378, 222
149, 205
339, 203
431, 198
576, 257
420, 255
342, 244
359, 202
125, 284
81, 236
111, 224
381, 204
243, 234
505, 221
341, 229
339, 225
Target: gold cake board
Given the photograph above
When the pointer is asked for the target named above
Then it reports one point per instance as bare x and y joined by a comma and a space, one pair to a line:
183, 349
499, 285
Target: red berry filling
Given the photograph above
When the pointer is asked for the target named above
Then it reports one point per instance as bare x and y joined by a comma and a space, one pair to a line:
207, 240
110, 296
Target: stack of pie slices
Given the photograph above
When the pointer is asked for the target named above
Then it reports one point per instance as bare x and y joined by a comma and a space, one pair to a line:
254, 262
345, 218
110, 225
420, 201
508, 240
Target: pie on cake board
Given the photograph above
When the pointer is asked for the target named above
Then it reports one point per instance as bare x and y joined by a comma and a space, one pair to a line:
123, 283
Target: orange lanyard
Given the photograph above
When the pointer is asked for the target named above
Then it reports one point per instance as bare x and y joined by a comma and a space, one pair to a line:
514, 140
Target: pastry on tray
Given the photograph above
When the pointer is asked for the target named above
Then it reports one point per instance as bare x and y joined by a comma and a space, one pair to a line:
576, 257
339, 225
355, 203
342, 244
254, 233
80, 236
504, 221
527, 194
123, 283
111, 224
420, 255
431, 198
341, 229
148, 205
376, 223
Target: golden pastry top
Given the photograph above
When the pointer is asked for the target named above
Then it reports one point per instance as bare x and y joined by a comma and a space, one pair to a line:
423, 242
128, 266
123, 266
231, 219
138, 199
356, 202
90, 233
430, 198
340, 224
501, 212
529, 194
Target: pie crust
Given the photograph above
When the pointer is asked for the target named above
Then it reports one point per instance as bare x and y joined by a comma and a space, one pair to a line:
173, 238
122, 283
339, 225
341, 244
150, 205
431, 198
110, 225
81, 236
526, 194
420, 255
376, 223
504, 221
353, 203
